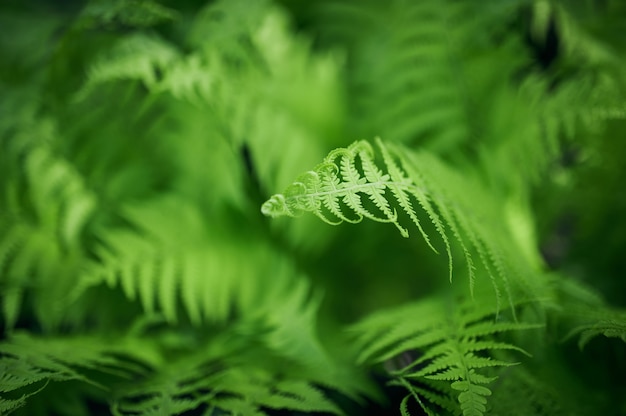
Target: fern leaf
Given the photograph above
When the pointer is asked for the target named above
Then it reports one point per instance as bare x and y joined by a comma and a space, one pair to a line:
176, 260
404, 406
42, 229
595, 321
28, 364
437, 397
451, 346
162, 268
349, 186
472, 397
420, 64
615, 328
133, 14
137, 57
231, 381
337, 187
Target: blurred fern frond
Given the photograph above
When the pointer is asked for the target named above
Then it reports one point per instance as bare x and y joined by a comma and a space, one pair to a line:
442, 355
30, 363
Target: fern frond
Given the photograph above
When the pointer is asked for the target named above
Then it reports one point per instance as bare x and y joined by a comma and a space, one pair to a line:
138, 57
112, 14
46, 209
349, 186
431, 57
239, 391
164, 269
28, 364
518, 392
240, 60
598, 321
614, 327
585, 86
156, 375
451, 345
191, 270
415, 48
336, 189
587, 315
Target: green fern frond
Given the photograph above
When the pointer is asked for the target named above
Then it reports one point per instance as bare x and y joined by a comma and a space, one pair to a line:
442, 345
137, 57
337, 190
519, 392
431, 57
587, 315
599, 320
28, 364
235, 390
163, 371
47, 207
165, 264
115, 14
231, 371
129, 207
415, 48
614, 327
240, 61
586, 85
349, 186
180, 267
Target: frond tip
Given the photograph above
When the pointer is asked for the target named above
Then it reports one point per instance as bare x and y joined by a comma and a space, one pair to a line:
349, 186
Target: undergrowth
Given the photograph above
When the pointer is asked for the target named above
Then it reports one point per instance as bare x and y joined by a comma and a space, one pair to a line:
333, 207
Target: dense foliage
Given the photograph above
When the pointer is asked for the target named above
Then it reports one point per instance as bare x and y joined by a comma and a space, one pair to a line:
455, 167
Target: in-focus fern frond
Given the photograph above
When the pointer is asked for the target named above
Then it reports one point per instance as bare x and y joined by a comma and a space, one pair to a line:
349, 186
339, 189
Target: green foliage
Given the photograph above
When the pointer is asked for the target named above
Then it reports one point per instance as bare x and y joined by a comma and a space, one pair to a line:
338, 177
142, 273
442, 349
349, 186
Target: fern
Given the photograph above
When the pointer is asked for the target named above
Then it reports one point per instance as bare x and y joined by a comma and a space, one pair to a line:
200, 279
348, 186
138, 140
46, 208
420, 63
28, 364
237, 391
338, 179
611, 326
451, 346
519, 392
126, 14
157, 269
592, 321
136, 57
